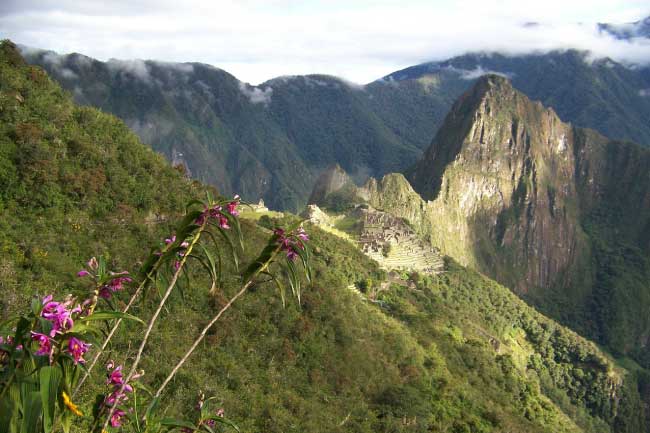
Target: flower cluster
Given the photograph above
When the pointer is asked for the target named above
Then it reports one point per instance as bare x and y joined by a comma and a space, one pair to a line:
116, 280
60, 317
292, 241
119, 392
179, 254
217, 212
205, 417
4, 354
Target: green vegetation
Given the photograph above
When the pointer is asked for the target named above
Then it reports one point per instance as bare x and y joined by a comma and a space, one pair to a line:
458, 353
273, 146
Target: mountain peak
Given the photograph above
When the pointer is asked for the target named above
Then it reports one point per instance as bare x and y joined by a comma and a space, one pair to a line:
471, 119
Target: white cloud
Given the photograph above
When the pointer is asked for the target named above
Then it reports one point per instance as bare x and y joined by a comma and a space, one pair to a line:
68, 74
138, 68
360, 40
183, 68
255, 94
471, 74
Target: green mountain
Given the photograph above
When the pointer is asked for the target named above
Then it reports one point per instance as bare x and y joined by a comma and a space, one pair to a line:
601, 94
264, 142
558, 213
453, 353
271, 141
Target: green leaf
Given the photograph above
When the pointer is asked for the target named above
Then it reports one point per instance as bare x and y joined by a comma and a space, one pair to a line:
173, 422
50, 378
294, 279
263, 259
10, 406
233, 250
224, 421
108, 315
191, 203
32, 409
36, 306
151, 409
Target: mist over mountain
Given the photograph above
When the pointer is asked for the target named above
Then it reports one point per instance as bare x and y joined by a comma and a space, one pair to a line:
637, 29
361, 351
601, 94
271, 141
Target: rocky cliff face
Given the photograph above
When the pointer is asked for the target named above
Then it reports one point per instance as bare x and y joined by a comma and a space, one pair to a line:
500, 177
558, 213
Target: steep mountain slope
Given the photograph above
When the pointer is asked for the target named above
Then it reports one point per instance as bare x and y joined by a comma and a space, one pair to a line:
599, 94
546, 207
73, 182
268, 141
458, 353
557, 212
271, 141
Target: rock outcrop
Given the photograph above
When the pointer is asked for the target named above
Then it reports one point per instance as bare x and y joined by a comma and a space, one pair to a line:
558, 213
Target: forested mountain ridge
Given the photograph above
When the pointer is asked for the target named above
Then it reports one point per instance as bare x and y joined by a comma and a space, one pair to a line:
271, 141
458, 353
554, 211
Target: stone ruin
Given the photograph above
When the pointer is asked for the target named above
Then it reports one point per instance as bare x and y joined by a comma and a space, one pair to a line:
407, 251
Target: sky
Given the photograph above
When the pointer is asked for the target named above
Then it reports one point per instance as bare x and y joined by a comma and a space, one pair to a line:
360, 41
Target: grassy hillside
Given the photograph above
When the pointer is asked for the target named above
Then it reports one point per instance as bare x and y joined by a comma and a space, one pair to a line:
73, 181
457, 353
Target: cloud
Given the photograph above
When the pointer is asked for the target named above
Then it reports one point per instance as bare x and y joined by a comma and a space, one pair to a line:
360, 41
255, 94
182, 68
137, 68
644, 93
68, 74
471, 74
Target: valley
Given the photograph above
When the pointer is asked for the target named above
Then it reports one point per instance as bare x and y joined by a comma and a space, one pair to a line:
460, 246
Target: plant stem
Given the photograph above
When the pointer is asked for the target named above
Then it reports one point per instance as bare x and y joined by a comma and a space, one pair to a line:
154, 318
115, 327
214, 320
200, 338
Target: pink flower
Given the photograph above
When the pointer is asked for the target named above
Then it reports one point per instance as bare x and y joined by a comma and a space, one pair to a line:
115, 377
58, 314
115, 285
83, 273
118, 395
302, 235
291, 254
44, 344
290, 242
93, 264
232, 206
223, 222
77, 349
116, 418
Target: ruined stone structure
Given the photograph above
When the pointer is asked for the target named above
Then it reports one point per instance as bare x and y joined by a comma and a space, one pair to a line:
391, 242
